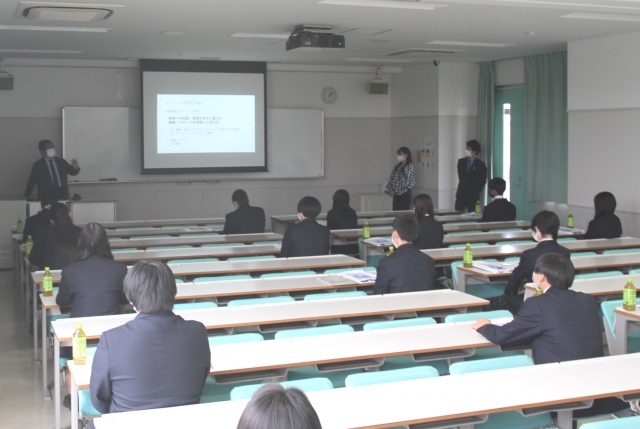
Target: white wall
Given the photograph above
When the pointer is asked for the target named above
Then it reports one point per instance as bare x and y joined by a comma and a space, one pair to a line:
509, 72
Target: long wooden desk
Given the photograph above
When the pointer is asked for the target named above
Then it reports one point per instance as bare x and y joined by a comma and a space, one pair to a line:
167, 230
275, 317
600, 287
198, 252
452, 400
197, 241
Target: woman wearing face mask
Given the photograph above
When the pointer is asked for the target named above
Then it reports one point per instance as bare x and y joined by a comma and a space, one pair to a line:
49, 174
472, 176
401, 181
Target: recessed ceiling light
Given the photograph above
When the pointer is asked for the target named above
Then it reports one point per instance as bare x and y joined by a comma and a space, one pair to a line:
44, 28
398, 4
78, 14
377, 60
261, 35
172, 32
602, 17
487, 45
40, 51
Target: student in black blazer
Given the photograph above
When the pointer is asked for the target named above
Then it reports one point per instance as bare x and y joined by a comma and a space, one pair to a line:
56, 245
341, 216
562, 325
49, 174
500, 210
245, 219
431, 232
472, 176
544, 226
605, 224
407, 269
40, 221
307, 237
156, 360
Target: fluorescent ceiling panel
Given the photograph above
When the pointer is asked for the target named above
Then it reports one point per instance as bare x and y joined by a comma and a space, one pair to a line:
488, 45
386, 4
45, 28
261, 35
603, 17
44, 13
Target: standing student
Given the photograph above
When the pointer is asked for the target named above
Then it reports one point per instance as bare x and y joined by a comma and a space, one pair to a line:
431, 232
407, 269
544, 228
342, 216
605, 223
500, 210
57, 245
158, 359
307, 237
401, 181
472, 176
245, 219
35, 224
49, 174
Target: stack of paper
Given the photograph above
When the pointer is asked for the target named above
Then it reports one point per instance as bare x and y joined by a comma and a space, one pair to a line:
379, 241
360, 276
495, 267
336, 280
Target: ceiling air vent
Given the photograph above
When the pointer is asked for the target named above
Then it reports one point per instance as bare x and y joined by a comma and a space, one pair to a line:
56, 13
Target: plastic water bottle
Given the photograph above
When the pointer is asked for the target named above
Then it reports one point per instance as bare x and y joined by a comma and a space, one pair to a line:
629, 296
390, 252
79, 344
366, 231
467, 256
29, 244
47, 283
19, 226
571, 222
478, 207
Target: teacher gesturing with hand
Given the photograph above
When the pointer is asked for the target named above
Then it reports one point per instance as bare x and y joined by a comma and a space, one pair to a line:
401, 181
49, 174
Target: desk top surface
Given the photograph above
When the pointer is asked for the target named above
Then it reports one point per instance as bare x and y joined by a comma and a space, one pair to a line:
197, 252
212, 239
599, 286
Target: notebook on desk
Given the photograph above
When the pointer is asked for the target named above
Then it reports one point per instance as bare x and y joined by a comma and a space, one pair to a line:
495, 267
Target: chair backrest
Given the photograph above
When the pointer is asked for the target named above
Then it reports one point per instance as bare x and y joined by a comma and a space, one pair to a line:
578, 254
566, 239
623, 423
636, 271
345, 270
311, 332
144, 237
607, 308
249, 258
289, 274
237, 338
508, 243
259, 301
512, 259
127, 249
380, 377
126, 228
223, 244
466, 317
401, 323
202, 234
617, 251
461, 245
490, 364
222, 278
306, 385
192, 261
194, 305
334, 295
179, 281
598, 275
182, 246
178, 226
115, 238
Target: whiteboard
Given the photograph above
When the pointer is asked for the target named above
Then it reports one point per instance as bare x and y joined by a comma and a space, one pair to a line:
106, 141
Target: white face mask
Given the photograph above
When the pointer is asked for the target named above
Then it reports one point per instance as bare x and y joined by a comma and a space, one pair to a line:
400, 158
51, 152
467, 153
299, 217
535, 236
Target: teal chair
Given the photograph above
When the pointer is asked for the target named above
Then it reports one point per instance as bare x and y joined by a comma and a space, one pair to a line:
380, 377
636, 271
182, 246
484, 352
619, 251
178, 226
608, 316
250, 258
507, 230
260, 301
192, 261
124, 249
624, 423
510, 419
195, 305
222, 278
578, 254
334, 295
202, 234
464, 232
84, 396
512, 259
126, 228
288, 274
115, 238
345, 270
307, 385
598, 275
508, 243
481, 290
566, 239
277, 243
223, 245
145, 237
215, 225
403, 362
372, 261
461, 245
178, 281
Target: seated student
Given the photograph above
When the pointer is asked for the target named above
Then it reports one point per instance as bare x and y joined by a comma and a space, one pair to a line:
245, 219
500, 210
33, 225
562, 325
274, 407
431, 232
605, 224
307, 237
56, 246
156, 360
341, 216
544, 226
407, 269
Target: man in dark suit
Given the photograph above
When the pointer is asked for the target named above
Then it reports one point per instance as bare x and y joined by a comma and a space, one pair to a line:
500, 210
544, 226
245, 219
307, 237
562, 325
49, 174
158, 359
407, 269
472, 176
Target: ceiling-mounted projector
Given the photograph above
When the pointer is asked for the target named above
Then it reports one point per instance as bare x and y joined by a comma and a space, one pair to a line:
314, 37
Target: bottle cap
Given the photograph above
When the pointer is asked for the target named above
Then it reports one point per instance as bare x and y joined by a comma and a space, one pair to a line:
46, 268
630, 280
28, 236
78, 325
468, 244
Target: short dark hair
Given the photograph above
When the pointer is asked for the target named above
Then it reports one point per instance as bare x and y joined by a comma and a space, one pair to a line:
407, 227
42, 143
604, 202
547, 222
65, 232
47, 200
340, 198
558, 270
240, 196
93, 241
274, 407
151, 287
474, 145
423, 205
310, 207
497, 184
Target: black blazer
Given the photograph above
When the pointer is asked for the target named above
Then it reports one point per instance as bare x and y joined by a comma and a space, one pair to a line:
430, 235
154, 361
45, 251
470, 184
93, 287
305, 238
343, 218
524, 270
41, 177
605, 226
562, 325
407, 269
500, 210
35, 224
244, 220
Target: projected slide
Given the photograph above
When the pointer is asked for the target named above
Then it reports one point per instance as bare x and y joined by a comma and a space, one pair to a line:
206, 123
